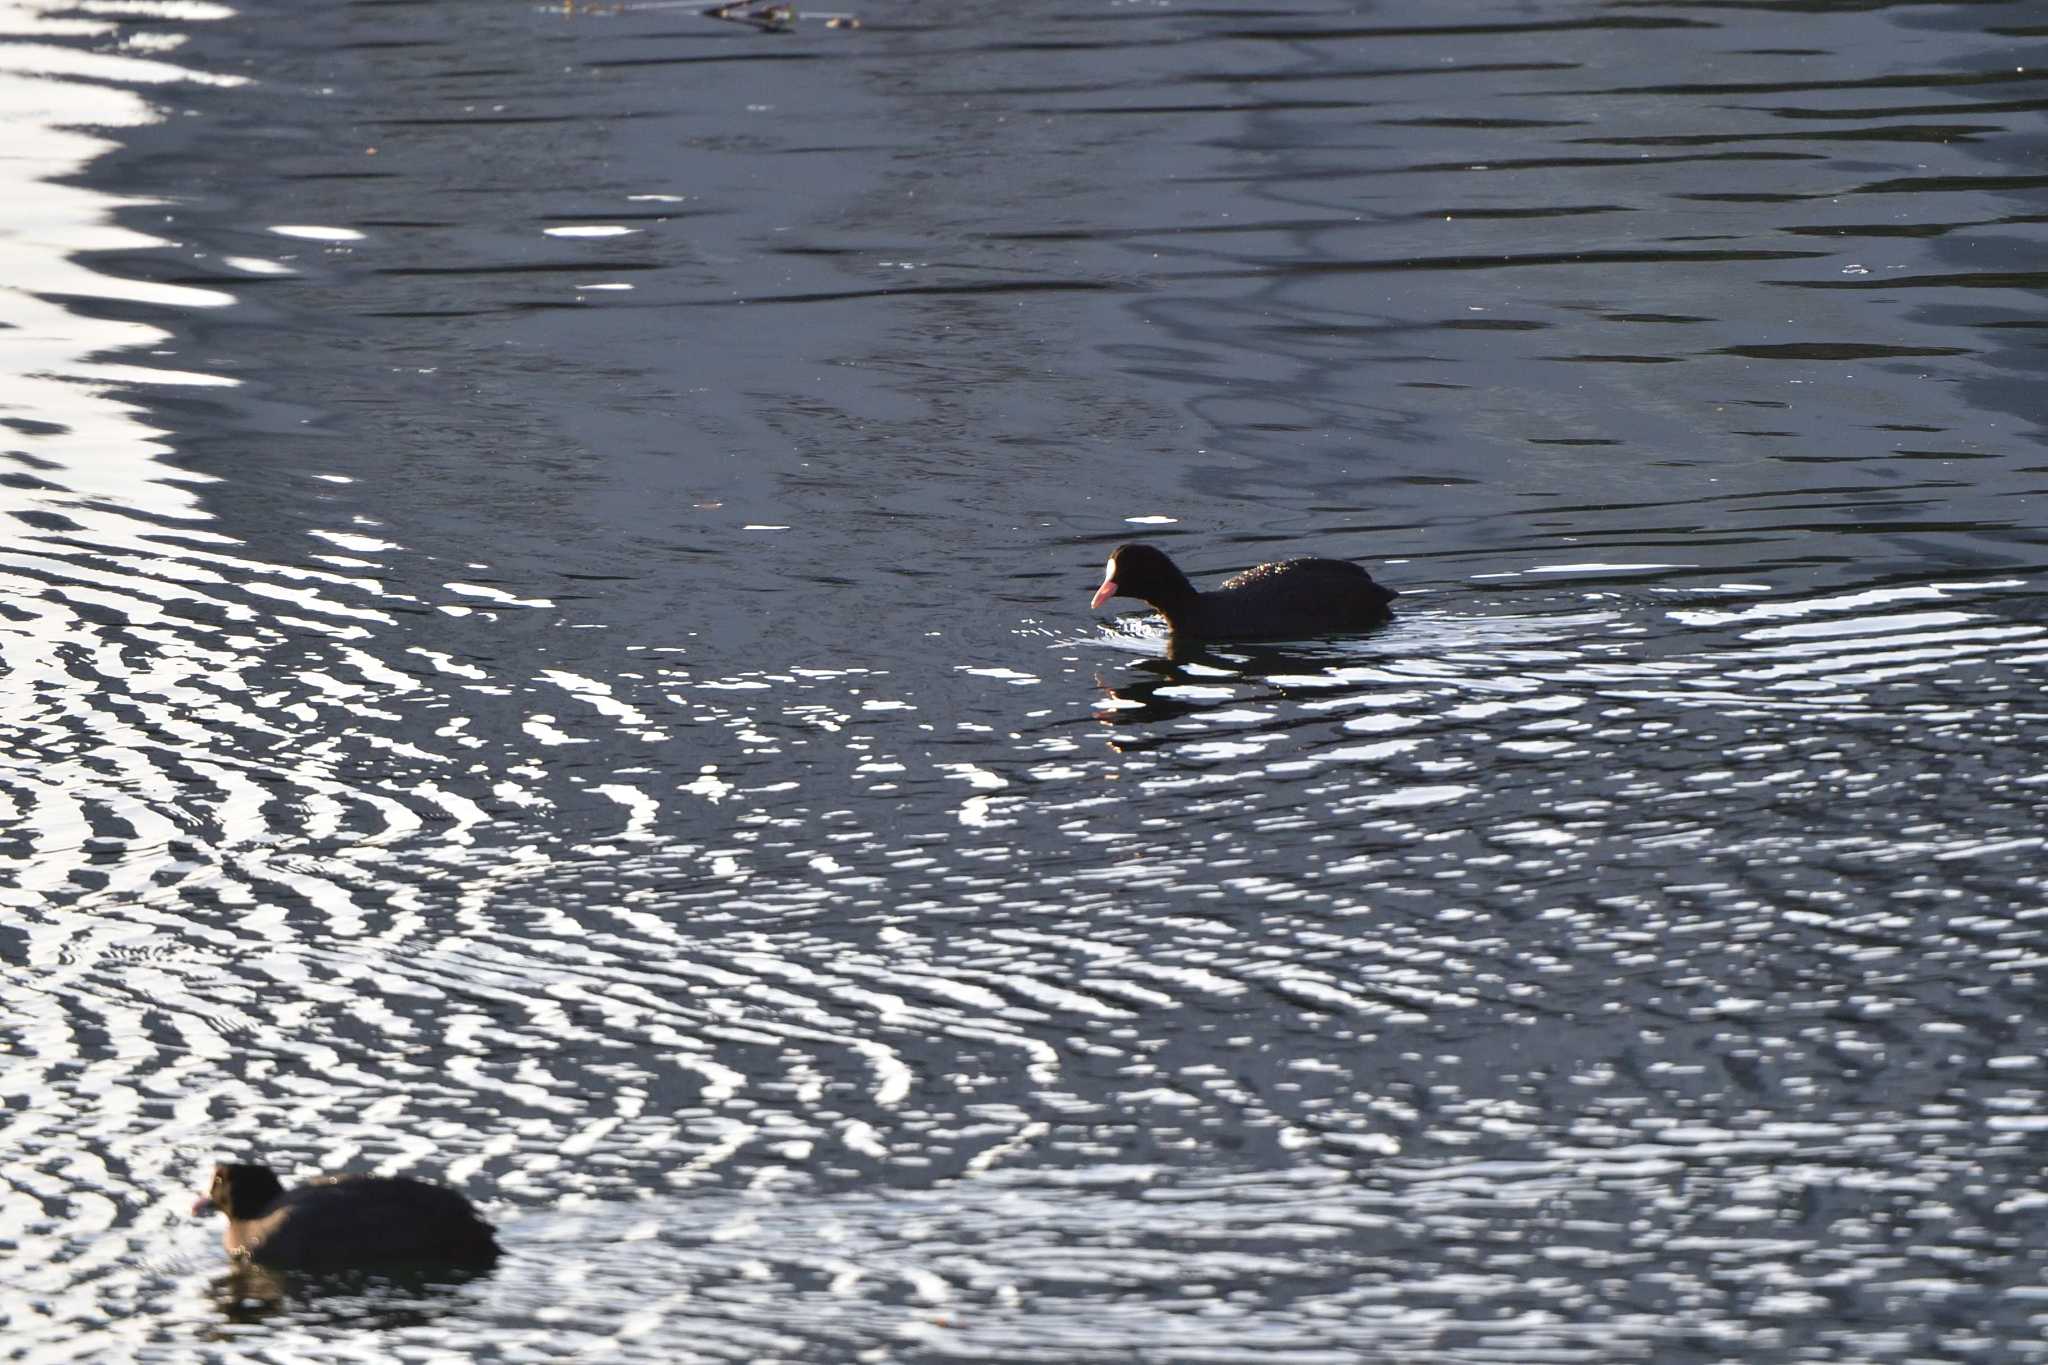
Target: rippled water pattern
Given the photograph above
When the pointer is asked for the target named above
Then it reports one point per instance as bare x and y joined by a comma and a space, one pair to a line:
545, 646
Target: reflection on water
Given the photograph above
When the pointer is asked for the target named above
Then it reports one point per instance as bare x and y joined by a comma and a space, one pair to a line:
384, 1300
486, 698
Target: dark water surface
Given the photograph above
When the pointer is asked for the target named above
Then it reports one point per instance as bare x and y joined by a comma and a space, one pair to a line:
546, 646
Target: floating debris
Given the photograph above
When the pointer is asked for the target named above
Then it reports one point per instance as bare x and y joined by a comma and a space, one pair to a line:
775, 16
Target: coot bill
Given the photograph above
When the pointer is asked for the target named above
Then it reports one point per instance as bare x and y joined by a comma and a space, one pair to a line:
1290, 599
348, 1220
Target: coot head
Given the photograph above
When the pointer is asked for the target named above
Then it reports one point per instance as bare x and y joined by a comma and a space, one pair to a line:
1143, 572
240, 1190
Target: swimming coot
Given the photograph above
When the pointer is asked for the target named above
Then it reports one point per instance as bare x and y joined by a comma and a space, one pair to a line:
348, 1220
1286, 600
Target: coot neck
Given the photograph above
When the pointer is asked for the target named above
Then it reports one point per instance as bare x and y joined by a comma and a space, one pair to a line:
1169, 590
251, 1195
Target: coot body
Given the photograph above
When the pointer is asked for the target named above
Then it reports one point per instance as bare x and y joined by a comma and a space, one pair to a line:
349, 1220
1290, 599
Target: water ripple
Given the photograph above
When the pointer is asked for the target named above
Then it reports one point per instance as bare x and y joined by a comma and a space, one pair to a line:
664, 780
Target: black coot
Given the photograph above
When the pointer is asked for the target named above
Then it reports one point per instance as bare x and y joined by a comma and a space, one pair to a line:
349, 1220
1290, 599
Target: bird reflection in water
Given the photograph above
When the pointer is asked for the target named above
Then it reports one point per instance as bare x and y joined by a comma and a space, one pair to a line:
1193, 679
1197, 679
381, 1299
1147, 697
